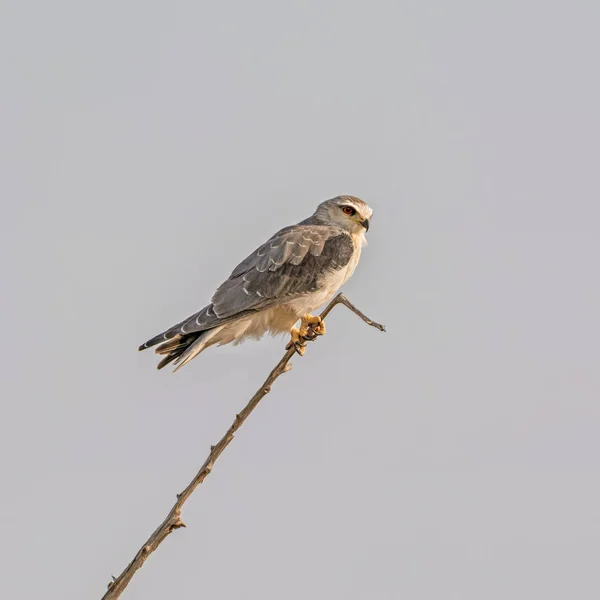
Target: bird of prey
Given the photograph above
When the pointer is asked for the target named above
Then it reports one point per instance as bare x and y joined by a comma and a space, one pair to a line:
293, 273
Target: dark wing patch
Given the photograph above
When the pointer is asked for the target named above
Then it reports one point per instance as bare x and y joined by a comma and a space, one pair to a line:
286, 267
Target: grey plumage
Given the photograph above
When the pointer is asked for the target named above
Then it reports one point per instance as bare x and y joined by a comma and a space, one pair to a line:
292, 264
289, 264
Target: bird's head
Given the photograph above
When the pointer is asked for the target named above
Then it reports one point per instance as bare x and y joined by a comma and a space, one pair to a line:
348, 212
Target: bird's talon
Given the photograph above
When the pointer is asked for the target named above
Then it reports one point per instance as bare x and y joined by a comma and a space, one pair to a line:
309, 326
300, 349
310, 335
297, 341
318, 328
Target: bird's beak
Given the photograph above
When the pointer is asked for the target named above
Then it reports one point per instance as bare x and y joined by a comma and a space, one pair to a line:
365, 224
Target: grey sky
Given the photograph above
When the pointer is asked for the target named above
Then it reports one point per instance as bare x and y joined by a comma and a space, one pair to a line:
455, 456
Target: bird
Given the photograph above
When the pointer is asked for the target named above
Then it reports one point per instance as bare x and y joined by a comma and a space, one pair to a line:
283, 281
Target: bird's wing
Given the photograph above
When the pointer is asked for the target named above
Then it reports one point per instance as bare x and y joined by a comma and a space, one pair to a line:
285, 267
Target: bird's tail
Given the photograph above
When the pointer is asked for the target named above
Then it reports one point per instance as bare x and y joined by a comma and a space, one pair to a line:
174, 348
181, 348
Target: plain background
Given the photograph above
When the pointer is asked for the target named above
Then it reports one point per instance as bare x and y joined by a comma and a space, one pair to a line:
147, 147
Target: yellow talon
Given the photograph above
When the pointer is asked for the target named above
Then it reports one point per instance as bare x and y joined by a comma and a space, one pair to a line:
297, 341
310, 327
319, 328
308, 323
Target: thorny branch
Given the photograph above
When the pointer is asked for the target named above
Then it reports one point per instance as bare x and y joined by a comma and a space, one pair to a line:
173, 519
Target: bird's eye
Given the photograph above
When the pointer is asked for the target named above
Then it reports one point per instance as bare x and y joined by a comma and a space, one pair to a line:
348, 210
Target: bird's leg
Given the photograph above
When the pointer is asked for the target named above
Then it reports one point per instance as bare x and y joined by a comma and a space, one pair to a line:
311, 326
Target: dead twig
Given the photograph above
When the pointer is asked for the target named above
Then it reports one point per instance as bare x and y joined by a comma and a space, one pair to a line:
173, 520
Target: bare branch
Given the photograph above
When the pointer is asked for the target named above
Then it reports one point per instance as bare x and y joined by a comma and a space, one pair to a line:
173, 519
